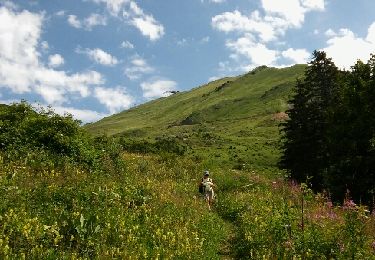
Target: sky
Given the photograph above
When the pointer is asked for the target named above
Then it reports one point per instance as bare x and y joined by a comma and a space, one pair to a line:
94, 58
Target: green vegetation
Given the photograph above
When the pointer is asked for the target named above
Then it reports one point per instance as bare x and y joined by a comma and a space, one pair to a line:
228, 122
329, 139
133, 194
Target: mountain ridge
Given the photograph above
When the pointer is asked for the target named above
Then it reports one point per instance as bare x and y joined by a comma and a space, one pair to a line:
208, 101
232, 121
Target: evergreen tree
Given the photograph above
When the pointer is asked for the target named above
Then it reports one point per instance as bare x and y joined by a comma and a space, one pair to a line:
305, 149
352, 131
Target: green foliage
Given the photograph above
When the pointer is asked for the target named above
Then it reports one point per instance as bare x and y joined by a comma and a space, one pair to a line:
160, 146
25, 131
327, 139
237, 112
140, 213
305, 133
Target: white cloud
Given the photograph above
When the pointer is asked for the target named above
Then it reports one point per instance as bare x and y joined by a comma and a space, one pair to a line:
329, 33
114, 99
55, 60
157, 88
44, 45
214, 1
205, 39
361, 48
88, 23
134, 15
99, 56
237, 22
127, 45
9, 4
279, 16
94, 20
73, 21
371, 34
293, 11
137, 68
255, 31
20, 68
60, 13
313, 4
299, 56
257, 53
146, 24
113, 6
83, 115
182, 42
213, 78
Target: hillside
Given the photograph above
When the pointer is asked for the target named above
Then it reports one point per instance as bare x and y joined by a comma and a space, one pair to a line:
239, 113
67, 195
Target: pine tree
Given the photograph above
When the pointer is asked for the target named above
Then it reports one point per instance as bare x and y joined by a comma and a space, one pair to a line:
352, 131
305, 150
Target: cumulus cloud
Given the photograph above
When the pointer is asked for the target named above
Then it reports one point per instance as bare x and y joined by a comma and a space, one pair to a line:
145, 23
88, 23
250, 35
113, 6
127, 45
214, 1
135, 16
157, 88
237, 22
73, 21
94, 20
84, 115
299, 56
293, 11
137, 68
20, 68
60, 13
44, 45
361, 48
9, 4
279, 16
205, 39
256, 52
99, 56
114, 99
55, 60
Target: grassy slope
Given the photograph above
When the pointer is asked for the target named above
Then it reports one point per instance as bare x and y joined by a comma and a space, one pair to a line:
232, 125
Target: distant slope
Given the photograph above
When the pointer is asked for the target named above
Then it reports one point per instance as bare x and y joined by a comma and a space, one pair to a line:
239, 111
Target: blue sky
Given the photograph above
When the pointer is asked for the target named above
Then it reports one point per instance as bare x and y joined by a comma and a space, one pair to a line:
93, 58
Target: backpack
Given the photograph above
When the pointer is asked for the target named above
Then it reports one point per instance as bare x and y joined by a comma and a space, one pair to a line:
201, 186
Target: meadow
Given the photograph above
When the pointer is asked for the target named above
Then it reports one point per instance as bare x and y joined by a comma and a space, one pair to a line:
67, 194
148, 207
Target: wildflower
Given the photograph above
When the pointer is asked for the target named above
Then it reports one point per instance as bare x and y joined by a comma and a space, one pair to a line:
349, 204
373, 246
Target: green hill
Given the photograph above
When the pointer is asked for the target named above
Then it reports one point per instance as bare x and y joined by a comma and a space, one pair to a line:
67, 195
232, 120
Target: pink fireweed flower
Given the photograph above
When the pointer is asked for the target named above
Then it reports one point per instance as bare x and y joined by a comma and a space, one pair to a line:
329, 204
373, 246
332, 215
349, 204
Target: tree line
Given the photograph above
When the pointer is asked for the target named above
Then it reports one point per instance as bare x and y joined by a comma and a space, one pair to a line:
329, 139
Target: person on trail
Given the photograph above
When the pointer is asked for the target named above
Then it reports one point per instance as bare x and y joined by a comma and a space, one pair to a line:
208, 190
